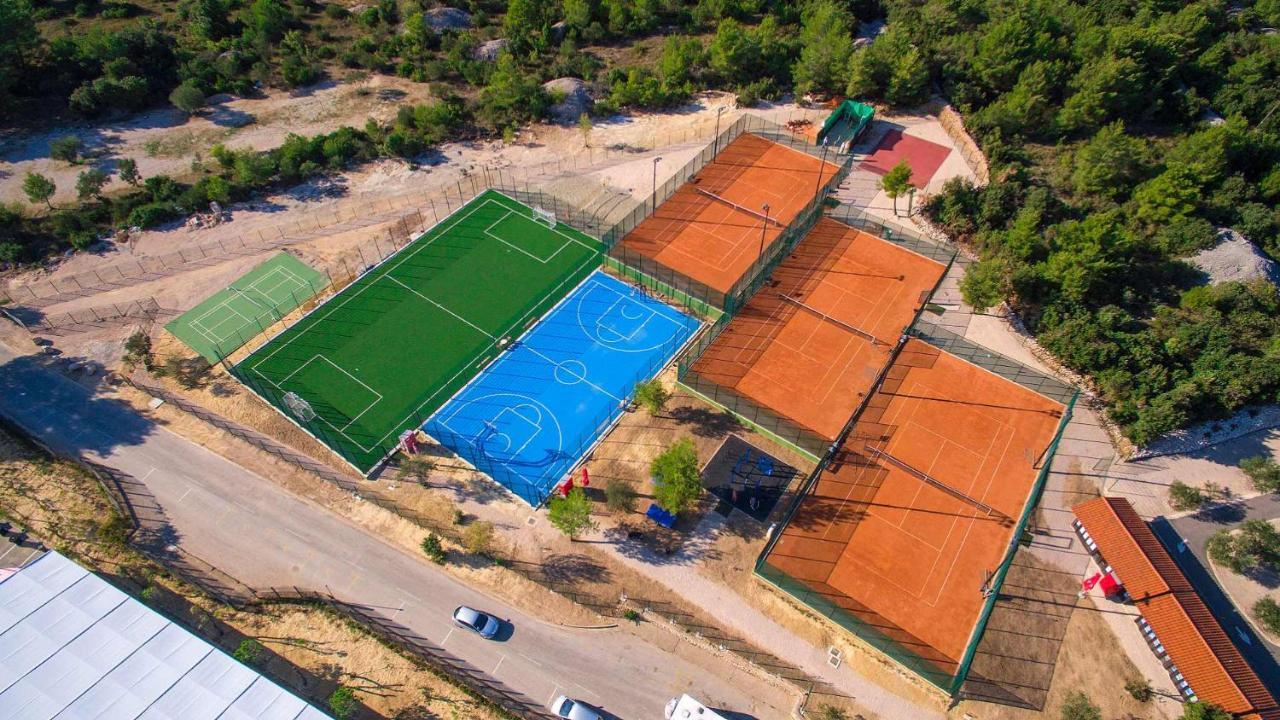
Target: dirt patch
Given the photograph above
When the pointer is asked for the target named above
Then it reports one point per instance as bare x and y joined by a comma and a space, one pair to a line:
1090, 660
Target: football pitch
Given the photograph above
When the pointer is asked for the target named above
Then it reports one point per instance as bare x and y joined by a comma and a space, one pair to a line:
379, 357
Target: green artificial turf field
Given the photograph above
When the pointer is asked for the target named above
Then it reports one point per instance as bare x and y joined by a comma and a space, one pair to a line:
221, 324
383, 354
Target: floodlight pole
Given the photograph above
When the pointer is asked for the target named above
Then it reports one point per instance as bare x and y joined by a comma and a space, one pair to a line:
719, 111
763, 226
820, 167
654, 190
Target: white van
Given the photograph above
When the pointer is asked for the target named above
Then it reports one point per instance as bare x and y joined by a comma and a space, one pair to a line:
686, 708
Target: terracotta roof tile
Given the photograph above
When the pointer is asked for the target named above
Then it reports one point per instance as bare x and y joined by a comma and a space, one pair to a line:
1194, 639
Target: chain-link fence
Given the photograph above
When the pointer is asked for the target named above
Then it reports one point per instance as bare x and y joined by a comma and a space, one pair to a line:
893, 232
676, 283
339, 214
945, 673
1001, 365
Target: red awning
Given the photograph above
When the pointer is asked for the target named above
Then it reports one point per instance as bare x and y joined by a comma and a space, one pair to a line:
1109, 584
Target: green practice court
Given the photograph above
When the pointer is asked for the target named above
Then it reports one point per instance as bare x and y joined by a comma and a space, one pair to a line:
227, 320
380, 356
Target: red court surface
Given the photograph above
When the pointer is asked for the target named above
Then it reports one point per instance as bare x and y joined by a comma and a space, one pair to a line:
808, 345
923, 156
905, 555
714, 242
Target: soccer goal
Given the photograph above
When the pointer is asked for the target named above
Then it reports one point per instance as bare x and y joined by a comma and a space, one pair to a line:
300, 408
544, 216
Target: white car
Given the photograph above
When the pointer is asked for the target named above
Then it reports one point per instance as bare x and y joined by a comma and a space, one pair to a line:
566, 707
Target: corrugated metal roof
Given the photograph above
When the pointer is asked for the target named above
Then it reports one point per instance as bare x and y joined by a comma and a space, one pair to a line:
1194, 639
73, 647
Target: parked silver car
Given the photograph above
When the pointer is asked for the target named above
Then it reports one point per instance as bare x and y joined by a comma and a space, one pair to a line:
482, 624
566, 707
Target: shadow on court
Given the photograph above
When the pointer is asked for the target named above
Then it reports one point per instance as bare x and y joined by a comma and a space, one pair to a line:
1018, 654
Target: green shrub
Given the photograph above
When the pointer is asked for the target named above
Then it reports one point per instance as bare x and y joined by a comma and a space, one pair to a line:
1267, 611
620, 495
151, 214
677, 482
571, 514
1185, 497
1078, 706
248, 651
652, 395
188, 97
433, 548
1263, 473
342, 702
66, 148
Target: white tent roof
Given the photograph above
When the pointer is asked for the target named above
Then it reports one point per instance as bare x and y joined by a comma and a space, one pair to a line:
74, 647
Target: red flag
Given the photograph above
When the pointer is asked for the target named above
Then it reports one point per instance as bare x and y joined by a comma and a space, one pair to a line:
1089, 582
586, 479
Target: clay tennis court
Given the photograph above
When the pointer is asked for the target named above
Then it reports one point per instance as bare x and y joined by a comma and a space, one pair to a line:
715, 241
879, 535
808, 345
923, 156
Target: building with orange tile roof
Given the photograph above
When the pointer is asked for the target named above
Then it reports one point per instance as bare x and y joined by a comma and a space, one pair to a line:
1193, 646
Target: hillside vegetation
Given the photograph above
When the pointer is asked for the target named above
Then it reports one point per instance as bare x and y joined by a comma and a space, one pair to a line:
1121, 134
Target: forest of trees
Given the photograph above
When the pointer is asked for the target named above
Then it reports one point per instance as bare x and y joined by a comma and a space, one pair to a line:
1120, 136
1095, 116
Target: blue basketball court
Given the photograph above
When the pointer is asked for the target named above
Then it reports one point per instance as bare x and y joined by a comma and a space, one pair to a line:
529, 417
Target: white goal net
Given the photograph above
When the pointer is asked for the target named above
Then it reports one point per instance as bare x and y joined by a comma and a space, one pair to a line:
545, 216
300, 408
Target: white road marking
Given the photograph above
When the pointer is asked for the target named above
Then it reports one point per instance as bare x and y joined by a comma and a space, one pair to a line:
529, 659
447, 636
495, 667
184, 495
1243, 635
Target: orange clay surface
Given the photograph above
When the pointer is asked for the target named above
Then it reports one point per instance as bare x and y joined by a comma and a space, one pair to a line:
896, 551
812, 369
713, 242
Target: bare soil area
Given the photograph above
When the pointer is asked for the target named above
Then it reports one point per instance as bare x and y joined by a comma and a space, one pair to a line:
165, 141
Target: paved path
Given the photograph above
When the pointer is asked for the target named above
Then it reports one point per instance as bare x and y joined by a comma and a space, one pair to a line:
1185, 537
680, 575
264, 536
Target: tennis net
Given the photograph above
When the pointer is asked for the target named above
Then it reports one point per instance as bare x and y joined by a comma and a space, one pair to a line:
736, 206
834, 321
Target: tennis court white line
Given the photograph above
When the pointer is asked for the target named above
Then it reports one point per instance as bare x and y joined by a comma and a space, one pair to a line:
225, 304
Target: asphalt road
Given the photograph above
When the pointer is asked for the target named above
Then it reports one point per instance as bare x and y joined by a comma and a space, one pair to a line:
264, 536
1185, 538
